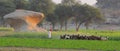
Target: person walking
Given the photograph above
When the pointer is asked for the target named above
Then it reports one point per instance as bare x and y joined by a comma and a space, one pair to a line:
49, 33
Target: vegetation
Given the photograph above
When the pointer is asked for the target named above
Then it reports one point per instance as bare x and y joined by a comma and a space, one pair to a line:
86, 15
52, 43
6, 29
8, 32
83, 14
41, 40
44, 6
6, 6
53, 19
56, 13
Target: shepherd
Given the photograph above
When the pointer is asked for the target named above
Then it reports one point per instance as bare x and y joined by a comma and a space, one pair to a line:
49, 33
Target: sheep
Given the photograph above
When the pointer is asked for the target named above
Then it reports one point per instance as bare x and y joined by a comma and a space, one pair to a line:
82, 37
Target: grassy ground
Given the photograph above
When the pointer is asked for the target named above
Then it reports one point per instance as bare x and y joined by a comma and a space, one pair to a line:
6, 29
53, 43
113, 35
40, 40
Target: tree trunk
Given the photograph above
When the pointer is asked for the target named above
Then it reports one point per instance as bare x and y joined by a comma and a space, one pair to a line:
77, 29
65, 25
76, 24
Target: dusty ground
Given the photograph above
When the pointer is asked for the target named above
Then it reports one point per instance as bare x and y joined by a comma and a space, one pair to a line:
35, 49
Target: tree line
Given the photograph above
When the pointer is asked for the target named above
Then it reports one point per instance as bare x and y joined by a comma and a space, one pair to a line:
83, 14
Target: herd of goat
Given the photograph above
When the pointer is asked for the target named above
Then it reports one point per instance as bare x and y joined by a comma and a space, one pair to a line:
82, 37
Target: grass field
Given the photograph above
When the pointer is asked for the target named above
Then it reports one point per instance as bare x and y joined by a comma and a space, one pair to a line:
53, 43
40, 40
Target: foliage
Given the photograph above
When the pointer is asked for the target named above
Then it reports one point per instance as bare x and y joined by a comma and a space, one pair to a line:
6, 6
21, 4
41, 35
113, 35
60, 11
86, 14
83, 14
6, 29
70, 2
64, 11
44, 6
40, 40
53, 19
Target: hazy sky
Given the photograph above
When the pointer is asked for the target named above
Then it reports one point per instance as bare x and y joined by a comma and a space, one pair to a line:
90, 2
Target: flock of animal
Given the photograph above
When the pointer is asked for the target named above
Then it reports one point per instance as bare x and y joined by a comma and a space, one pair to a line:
82, 37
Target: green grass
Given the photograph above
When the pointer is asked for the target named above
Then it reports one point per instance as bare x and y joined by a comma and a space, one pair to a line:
27, 35
54, 43
6, 29
40, 40
113, 35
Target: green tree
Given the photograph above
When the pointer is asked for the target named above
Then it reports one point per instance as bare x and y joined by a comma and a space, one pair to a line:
64, 11
76, 10
44, 6
88, 14
6, 6
53, 18
70, 2
59, 12
21, 4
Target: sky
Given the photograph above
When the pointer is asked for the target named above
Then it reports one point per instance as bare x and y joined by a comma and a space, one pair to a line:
90, 2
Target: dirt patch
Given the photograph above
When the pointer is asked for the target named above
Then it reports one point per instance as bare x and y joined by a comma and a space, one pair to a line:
35, 49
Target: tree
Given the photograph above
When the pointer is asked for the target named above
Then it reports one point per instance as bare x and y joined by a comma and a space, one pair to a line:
6, 6
59, 12
53, 18
21, 4
70, 2
64, 11
76, 10
87, 14
44, 6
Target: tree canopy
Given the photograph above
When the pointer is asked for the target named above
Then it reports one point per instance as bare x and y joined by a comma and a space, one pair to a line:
45, 6
85, 14
56, 13
6, 6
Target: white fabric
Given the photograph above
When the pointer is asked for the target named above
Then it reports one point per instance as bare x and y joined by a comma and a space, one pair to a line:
49, 34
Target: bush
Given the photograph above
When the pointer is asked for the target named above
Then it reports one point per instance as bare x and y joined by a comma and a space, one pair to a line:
6, 29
